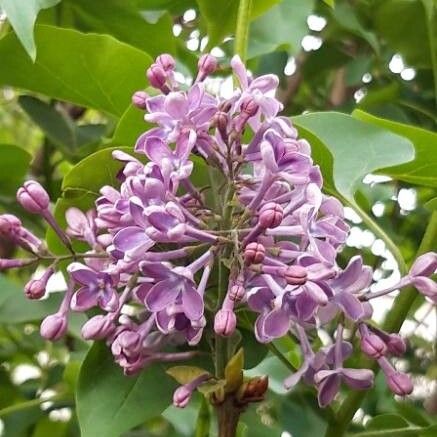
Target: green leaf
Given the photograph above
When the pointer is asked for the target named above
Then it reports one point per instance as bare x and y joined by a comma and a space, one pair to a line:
121, 19
59, 128
12, 157
221, 19
110, 403
22, 16
330, 3
430, 431
387, 421
234, 371
130, 126
347, 149
345, 15
421, 171
283, 26
185, 374
76, 67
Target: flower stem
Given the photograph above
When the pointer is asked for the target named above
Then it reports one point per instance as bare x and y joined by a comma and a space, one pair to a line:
242, 30
392, 323
30, 404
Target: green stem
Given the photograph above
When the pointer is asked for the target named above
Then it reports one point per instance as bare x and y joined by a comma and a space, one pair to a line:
30, 404
392, 323
242, 30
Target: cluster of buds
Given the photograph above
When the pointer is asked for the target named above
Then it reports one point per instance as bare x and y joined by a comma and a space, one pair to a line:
155, 238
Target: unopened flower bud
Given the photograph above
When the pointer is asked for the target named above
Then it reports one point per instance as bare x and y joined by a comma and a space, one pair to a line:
36, 288
54, 326
9, 224
207, 64
425, 265
249, 107
271, 215
373, 346
98, 327
156, 76
33, 197
222, 122
225, 322
182, 396
166, 62
139, 99
237, 293
254, 253
295, 275
400, 383
396, 345
253, 390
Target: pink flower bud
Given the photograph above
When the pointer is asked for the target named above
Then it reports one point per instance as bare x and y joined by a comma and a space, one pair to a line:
237, 293
166, 62
254, 253
271, 215
225, 322
36, 288
295, 275
139, 99
207, 64
9, 224
222, 122
249, 107
156, 76
425, 265
400, 383
98, 327
396, 345
54, 326
373, 346
182, 396
33, 197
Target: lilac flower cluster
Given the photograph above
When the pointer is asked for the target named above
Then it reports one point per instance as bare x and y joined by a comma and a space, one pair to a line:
156, 239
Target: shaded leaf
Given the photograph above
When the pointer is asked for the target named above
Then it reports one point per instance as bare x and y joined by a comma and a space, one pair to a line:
12, 157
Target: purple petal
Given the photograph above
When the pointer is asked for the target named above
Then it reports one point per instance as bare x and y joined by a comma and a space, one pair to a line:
276, 323
293, 379
240, 71
161, 295
82, 274
360, 379
132, 238
350, 305
328, 389
176, 104
193, 303
108, 299
265, 83
83, 299
156, 149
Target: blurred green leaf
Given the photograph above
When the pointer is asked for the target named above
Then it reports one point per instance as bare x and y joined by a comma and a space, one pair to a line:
121, 19
76, 67
58, 127
109, 402
22, 16
12, 157
347, 149
221, 18
283, 26
423, 169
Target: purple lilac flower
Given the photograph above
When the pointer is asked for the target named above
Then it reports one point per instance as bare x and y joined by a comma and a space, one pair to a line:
156, 235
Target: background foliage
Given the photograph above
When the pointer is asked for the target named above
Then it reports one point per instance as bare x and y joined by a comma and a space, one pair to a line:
359, 78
